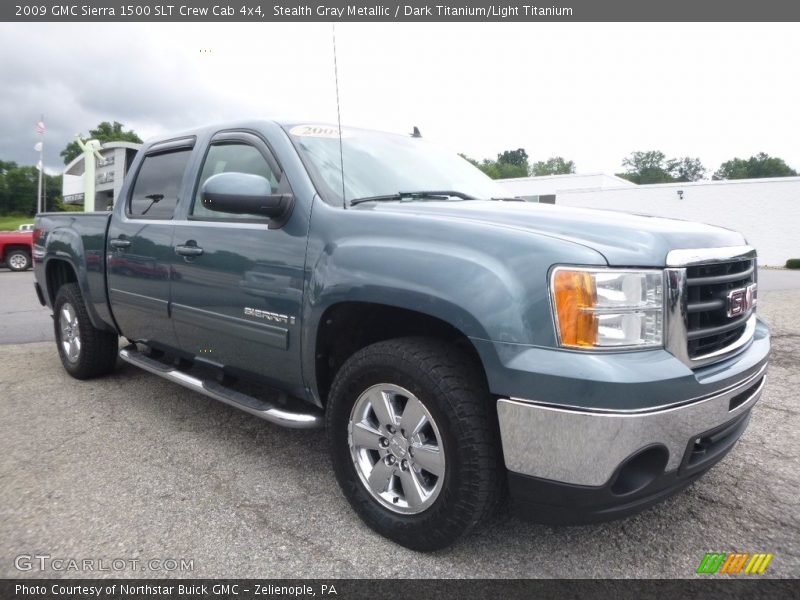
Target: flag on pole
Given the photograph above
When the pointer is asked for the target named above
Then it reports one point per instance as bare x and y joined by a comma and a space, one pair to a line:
40, 127
39, 165
38, 147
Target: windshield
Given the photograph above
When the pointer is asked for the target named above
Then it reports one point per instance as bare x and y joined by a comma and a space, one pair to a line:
384, 164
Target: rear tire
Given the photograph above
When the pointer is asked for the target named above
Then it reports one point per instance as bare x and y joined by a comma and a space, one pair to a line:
18, 260
421, 486
85, 351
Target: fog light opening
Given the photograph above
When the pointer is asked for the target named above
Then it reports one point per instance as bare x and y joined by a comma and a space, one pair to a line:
640, 470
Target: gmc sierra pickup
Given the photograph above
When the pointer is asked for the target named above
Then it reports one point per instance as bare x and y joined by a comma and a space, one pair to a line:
458, 345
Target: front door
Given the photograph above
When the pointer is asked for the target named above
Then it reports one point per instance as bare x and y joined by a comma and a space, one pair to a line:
140, 248
237, 284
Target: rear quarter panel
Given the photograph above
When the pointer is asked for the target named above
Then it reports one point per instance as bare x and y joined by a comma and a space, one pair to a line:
78, 239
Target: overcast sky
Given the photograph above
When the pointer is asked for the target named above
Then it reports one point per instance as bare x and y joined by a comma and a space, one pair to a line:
589, 92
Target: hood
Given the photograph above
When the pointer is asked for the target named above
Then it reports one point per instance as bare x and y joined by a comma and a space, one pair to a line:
622, 238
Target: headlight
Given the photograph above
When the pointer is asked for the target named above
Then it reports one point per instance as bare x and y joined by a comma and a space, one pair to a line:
608, 308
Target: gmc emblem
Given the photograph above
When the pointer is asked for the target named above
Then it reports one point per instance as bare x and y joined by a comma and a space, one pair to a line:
742, 300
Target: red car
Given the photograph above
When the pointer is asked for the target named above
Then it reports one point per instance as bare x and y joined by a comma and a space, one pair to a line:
16, 248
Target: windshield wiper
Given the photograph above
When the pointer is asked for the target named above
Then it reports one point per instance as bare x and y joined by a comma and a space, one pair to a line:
423, 194
508, 199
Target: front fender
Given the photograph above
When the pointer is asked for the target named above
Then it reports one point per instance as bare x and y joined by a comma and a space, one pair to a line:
488, 282
470, 291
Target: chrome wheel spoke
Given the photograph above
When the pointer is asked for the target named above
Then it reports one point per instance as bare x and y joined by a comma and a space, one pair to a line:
382, 406
380, 476
66, 316
413, 418
70, 332
365, 436
429, 458
412, 488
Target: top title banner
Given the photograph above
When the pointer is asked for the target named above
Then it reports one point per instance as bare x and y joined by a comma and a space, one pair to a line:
409, 11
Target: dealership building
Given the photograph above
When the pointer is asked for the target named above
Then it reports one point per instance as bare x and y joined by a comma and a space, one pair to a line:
766, 211
109, 175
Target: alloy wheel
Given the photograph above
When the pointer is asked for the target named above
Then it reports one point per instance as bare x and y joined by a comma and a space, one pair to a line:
396, 448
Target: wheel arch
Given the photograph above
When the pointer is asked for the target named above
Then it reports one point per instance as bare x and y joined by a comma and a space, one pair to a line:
60, 271
346, 327
9, 248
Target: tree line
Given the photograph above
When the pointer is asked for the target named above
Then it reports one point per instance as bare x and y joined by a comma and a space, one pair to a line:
642, 167
19, 187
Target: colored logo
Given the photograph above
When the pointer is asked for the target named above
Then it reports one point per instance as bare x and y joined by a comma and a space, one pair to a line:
742, 300
734, 562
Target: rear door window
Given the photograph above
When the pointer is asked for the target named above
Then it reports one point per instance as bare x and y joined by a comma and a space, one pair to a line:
158, 183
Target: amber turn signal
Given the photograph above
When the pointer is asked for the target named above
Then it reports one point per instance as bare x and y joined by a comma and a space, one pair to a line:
575, 294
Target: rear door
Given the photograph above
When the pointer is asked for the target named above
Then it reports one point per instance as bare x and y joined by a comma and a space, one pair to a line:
237, 283
140, 249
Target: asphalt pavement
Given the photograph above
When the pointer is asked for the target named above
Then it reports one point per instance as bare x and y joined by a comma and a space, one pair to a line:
134, 468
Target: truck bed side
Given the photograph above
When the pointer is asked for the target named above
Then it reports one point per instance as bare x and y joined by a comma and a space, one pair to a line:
70, 247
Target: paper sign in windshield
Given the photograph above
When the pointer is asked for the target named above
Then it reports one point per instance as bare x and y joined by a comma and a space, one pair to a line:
322, 131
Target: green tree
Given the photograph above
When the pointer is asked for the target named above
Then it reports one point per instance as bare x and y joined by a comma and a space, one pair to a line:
104, 132
509, 164
19, 187
760, 165
646, 167
686, 169
517, 158
52, 197
652, 166
555, 165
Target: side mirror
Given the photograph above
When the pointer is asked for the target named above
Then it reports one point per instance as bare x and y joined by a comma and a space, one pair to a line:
245, 194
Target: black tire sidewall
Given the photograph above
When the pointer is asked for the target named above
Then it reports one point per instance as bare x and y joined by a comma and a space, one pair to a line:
98, 348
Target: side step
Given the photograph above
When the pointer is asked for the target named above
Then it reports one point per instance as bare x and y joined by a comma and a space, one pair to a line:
313, 419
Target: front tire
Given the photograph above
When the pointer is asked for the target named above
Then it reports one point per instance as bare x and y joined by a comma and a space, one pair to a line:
85, 351
414, 441
18, 260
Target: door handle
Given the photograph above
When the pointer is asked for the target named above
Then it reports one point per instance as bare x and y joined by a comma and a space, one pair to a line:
188, 250
119, 243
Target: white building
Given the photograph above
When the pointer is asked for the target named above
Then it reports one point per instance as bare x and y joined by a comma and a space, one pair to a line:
547, 187
766, 211
110, 172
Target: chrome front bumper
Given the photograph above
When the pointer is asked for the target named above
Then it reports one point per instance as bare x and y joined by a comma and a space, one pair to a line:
587, 448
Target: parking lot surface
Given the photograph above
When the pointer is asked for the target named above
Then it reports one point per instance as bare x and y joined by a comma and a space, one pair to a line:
132, 467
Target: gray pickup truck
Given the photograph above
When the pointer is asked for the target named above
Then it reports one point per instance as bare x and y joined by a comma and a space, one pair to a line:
459, 346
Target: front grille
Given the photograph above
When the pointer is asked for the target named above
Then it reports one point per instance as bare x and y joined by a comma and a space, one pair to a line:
709, 328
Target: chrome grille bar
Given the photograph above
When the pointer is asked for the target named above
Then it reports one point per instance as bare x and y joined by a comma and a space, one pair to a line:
695, 331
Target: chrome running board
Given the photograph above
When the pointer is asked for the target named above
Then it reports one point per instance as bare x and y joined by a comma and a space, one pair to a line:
312, 419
